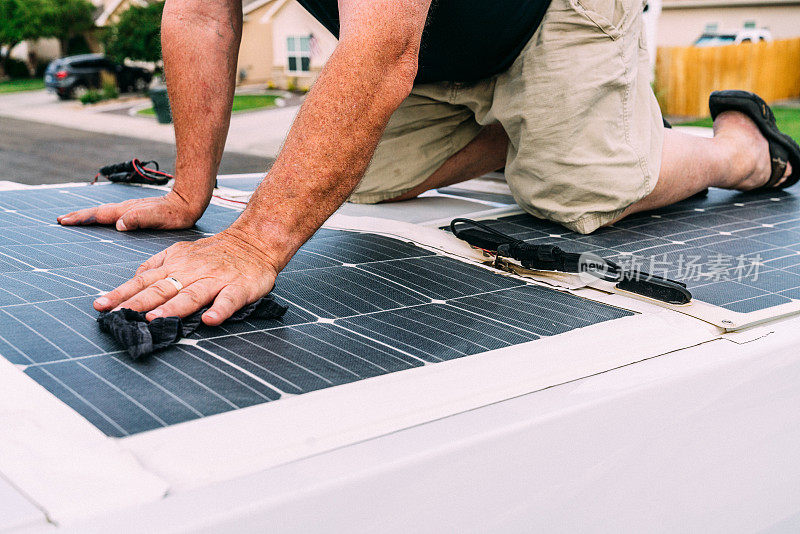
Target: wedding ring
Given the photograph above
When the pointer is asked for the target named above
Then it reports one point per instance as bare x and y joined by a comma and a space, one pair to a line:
175, 282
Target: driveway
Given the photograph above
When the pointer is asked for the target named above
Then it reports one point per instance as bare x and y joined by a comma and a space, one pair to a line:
37, 153
257, 133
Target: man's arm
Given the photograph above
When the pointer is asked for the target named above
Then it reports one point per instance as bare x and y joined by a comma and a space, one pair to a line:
200, 42
325, 155
336, 132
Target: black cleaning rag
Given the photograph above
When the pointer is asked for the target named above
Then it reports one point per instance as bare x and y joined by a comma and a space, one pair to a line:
140, 338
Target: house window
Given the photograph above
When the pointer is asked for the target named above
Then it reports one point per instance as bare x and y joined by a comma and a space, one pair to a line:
299, 53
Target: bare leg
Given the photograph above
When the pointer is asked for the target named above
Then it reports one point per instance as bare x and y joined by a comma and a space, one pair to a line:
737, 157
485, 153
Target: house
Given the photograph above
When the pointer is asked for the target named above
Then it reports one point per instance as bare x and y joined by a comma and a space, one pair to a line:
40, 50
683, 21
110, 10
282, 44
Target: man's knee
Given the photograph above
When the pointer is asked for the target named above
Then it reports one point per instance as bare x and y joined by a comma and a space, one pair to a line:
580, 195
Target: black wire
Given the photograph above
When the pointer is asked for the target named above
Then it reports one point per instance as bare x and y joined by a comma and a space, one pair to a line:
612, 272
482, 226
661, 289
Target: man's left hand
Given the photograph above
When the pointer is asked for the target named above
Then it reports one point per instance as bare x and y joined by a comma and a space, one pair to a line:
227, 269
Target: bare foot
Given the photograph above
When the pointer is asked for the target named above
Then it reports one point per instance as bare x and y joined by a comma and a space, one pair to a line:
751, 166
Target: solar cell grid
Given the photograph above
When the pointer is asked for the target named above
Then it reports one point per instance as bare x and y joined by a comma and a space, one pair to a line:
329, 292
360, 305
440, 277
437, 332
177, 385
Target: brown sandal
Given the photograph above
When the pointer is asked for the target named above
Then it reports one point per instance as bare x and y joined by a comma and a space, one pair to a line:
782, 148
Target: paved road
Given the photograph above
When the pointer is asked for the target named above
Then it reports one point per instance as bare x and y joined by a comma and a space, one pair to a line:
259, 133
35, 153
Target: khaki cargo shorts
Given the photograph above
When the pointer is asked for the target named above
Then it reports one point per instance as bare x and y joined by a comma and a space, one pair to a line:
585, 130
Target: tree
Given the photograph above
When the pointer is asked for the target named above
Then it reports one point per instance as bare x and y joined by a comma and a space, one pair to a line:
20, 20
67, 19
136, 35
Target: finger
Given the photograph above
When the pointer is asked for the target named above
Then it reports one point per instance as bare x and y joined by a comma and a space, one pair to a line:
230, 299
84, 216
151, 297
189, 300
105, 214
153, 262
69, 216
140, 218
130, 288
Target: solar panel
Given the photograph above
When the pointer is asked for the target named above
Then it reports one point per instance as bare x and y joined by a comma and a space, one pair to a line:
737, 251
360, 305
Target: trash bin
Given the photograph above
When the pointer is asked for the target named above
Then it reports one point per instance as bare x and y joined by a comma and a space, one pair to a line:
161, 104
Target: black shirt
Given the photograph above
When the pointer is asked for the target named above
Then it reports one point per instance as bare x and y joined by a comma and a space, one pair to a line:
464, 40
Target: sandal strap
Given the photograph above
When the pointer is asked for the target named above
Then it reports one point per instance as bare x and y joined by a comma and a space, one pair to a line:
778, 170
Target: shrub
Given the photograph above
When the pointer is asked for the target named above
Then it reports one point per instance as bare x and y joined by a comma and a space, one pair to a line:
92, 96
17, 69
291, 84
110, 91
271, 85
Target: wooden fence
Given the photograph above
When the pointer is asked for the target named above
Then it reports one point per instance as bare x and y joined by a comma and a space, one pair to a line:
685, 76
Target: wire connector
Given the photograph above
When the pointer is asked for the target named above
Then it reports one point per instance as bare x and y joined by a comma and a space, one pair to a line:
134, 172
553, 258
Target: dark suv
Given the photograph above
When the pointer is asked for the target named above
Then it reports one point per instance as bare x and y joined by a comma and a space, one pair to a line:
72, 76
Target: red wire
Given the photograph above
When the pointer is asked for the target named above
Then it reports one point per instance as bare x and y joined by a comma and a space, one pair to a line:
229, 200
141, 171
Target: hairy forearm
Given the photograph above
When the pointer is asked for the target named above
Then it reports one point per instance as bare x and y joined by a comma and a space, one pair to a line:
328, 148
200, 42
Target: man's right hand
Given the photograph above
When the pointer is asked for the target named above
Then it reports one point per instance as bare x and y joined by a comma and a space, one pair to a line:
170, 212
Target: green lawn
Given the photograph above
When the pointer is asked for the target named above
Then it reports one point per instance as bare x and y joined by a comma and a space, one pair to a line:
240, 103
12, 86
788, 121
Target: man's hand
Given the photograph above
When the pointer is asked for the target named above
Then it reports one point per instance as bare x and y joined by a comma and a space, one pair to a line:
226, 269
170, 212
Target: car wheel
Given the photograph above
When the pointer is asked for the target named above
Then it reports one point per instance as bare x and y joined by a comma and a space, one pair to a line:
79, 90
64, 96
139, 85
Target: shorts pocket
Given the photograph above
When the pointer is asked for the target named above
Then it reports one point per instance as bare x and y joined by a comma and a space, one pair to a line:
612, 17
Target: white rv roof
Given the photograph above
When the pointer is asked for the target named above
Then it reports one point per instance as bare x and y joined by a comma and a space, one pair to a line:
658, 420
